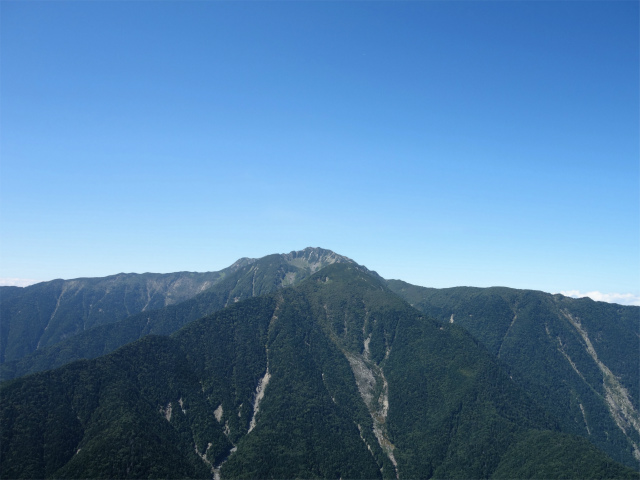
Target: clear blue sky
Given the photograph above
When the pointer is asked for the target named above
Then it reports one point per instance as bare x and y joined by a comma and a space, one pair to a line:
443, 143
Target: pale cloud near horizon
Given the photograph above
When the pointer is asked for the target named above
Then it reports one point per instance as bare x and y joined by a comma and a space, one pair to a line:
17, 282
621, 298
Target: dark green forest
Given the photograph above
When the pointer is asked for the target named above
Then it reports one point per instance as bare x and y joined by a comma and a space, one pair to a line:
531, 333
336, 377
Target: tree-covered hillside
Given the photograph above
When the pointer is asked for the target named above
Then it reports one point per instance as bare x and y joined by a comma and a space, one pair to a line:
576, 357
44, 314
334, 378
244, 279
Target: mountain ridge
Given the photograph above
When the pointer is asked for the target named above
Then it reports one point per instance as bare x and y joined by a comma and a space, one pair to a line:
44, 314
576, 357
268, 388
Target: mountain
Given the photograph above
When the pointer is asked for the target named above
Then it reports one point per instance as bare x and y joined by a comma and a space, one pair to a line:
578, 358
50, 324
335, 377
44, 314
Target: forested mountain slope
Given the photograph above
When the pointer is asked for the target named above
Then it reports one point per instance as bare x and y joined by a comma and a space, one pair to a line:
580, 359
244, 279
44, 314
335, 378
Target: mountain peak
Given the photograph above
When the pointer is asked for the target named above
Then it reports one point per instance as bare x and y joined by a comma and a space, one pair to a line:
241, 262
314, 258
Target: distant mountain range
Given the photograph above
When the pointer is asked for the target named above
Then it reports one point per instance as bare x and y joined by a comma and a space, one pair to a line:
309, 365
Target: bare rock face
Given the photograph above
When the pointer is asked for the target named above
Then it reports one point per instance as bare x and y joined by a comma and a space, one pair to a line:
314, 258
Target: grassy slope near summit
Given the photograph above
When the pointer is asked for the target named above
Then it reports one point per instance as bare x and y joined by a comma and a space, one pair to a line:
576, 357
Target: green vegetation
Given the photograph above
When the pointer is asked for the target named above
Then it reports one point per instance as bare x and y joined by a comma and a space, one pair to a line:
244, 279
532, 335
543, 454
44, 314
101, 419
336, 377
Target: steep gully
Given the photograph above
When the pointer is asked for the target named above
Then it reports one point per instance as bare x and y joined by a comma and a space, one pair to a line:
616, 396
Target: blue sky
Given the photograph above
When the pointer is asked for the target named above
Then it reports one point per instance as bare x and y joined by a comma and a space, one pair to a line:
443, 143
